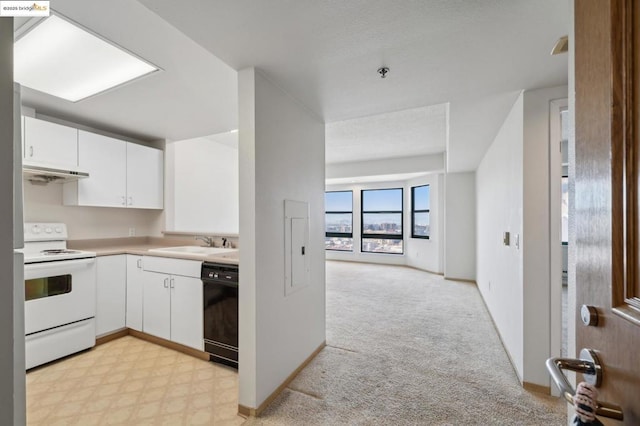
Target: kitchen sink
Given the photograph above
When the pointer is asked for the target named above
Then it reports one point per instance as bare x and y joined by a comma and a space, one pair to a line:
194, 250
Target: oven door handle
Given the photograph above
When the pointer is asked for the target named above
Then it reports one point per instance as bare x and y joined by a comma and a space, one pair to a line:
35, 270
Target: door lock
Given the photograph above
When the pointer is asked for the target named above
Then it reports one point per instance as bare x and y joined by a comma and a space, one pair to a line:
591, 368
589, 315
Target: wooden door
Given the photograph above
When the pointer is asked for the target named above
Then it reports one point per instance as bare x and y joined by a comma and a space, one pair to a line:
606, 193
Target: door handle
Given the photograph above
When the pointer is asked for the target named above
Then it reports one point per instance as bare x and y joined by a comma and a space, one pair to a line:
124, 202
589, 365
172, 283
139, 262
31, 151
165, 283
130, 200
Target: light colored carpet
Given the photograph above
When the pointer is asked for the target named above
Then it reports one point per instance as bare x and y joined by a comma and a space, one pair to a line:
406, 347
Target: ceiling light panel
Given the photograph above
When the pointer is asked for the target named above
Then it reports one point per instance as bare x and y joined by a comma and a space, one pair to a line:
63, 60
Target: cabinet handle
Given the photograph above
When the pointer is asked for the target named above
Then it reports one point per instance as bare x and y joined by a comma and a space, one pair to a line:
172, 281
130, 201
124, 202
165, 283
139, 262
31, 151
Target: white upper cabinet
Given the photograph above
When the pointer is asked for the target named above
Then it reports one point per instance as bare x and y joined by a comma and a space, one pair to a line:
121, 174
50, 144
145, 177
105, 160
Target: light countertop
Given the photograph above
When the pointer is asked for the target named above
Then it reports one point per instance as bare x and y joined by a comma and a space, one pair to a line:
141, 245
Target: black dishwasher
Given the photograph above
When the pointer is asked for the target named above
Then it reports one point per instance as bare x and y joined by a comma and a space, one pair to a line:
220, 282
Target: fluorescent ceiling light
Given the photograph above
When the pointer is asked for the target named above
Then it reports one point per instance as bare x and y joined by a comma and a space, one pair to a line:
64, 60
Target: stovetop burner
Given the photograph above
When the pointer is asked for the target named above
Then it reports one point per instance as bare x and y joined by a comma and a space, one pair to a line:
47, 242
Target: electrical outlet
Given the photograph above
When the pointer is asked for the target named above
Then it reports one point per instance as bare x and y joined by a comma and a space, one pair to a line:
132, 232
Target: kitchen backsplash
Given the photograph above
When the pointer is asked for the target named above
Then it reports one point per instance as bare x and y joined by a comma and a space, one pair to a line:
43, 203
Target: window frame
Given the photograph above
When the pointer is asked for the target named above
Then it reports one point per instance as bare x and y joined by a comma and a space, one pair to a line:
364, 235
339, 234
414, 211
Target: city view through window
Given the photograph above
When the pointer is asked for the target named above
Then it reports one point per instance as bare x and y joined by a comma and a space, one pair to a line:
338, 220
382, 221
420, 201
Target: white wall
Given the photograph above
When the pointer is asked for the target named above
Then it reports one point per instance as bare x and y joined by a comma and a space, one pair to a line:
43, 203
537, 232
204, 177
512, 187
460, 226
499, 209
281, 158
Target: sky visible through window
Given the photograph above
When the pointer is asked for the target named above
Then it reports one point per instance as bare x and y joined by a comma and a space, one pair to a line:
382, 200
338, 201
421, 200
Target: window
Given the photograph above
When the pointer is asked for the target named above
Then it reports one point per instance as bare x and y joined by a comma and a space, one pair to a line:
382, 221
420, 202
338, 220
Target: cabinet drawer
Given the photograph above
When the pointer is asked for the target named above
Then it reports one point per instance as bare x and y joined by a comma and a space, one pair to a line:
166, 265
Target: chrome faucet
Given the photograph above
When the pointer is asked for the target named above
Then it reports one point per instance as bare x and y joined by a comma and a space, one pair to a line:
224, 242
207, 240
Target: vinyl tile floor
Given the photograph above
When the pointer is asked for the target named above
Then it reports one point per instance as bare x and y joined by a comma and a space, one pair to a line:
129, 381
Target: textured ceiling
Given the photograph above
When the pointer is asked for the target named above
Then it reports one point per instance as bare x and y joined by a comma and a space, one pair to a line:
325, 53
470, 54
412, 132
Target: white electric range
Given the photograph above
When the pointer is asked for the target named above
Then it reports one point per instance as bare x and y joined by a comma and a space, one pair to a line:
60, 294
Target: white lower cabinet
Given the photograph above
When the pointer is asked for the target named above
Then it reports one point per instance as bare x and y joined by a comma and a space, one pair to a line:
111, 293
135, 277
172, 304
187, 312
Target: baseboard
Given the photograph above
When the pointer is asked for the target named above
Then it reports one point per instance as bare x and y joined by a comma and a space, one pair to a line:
112, 336
532, 387
417, 268
245, 411
464, 280
169, 344
495, 327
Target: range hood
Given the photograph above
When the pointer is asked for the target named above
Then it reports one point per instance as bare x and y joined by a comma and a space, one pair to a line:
44, 175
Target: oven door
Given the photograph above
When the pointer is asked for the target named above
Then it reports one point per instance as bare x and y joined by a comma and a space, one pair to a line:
59, 293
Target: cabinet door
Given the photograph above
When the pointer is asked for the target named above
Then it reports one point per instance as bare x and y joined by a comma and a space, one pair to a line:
105, 159
111, 282
156, 305
145, 177
186, 311
50, 144
135, 279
